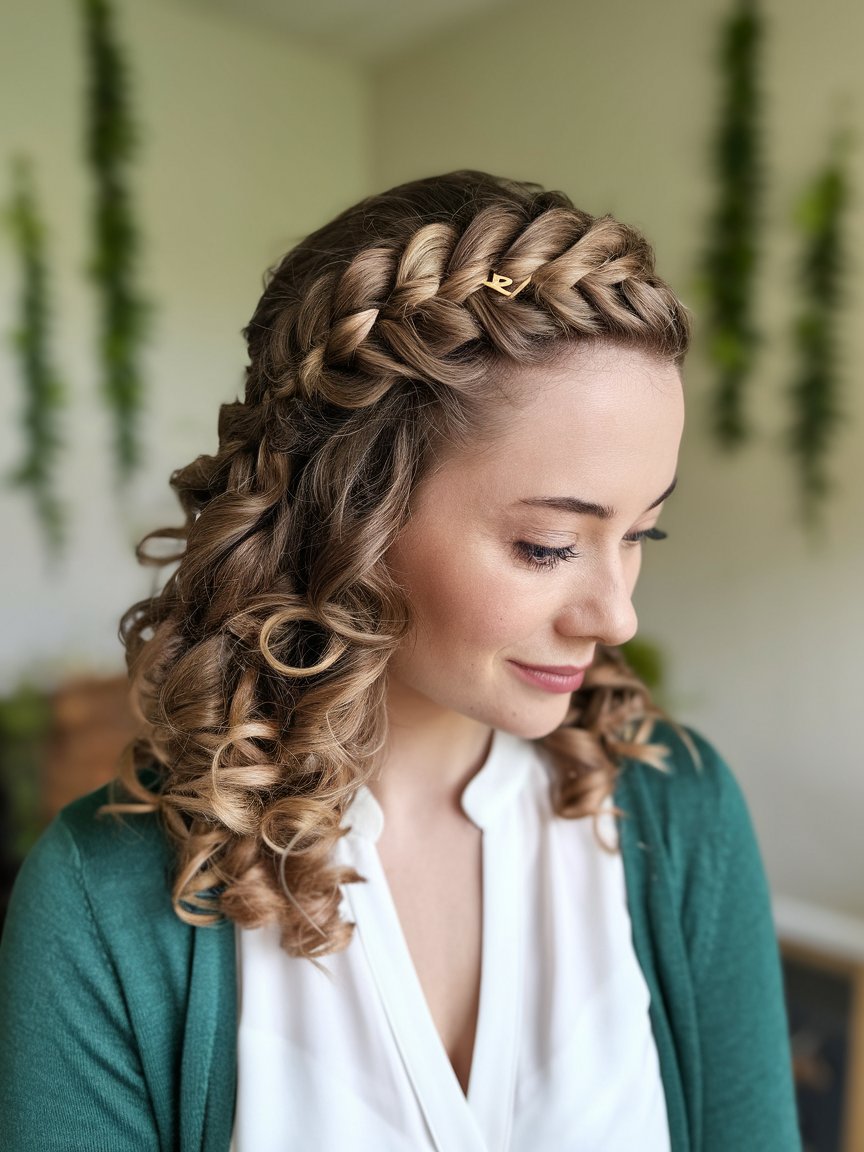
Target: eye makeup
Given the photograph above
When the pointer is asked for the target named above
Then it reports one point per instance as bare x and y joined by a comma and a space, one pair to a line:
541, 557
544, 558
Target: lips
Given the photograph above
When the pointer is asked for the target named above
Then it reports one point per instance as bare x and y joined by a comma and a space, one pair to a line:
551, 678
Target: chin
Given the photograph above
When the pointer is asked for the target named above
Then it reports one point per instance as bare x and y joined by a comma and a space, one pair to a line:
534, 726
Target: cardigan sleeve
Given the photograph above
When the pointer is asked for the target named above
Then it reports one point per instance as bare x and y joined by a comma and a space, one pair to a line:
748, 1097
70, 1072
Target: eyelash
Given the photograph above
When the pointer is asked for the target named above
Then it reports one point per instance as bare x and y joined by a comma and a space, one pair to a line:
537, 556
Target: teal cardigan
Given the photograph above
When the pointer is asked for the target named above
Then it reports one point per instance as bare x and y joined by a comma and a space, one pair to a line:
118, 1021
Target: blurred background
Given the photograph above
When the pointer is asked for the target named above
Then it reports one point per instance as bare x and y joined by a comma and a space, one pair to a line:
239, 126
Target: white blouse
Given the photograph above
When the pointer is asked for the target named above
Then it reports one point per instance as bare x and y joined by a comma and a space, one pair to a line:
564, 1057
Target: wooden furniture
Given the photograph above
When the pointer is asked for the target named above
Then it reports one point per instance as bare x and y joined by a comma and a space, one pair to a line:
92, 723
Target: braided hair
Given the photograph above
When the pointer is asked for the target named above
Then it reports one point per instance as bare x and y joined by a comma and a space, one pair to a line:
258, 672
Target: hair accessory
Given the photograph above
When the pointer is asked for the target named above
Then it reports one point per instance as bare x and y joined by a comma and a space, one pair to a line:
500, 283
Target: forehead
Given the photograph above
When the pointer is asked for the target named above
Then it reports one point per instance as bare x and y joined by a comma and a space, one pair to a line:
589, 410
590, 384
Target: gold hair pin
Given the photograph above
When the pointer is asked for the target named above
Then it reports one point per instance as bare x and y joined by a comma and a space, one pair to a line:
500, 283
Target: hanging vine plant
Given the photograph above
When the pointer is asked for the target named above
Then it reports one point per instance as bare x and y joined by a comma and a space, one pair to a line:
814, 391
731, 254
43, 396
111, 146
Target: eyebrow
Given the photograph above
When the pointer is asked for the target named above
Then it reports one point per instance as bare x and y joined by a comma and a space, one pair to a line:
585, 507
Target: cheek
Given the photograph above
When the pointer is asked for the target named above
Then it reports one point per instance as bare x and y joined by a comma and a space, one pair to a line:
465, 601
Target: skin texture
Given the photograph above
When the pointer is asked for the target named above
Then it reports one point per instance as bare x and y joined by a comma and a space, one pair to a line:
604, 425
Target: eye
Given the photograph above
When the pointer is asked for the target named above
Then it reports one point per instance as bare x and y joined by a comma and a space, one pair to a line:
538, 556
646, 534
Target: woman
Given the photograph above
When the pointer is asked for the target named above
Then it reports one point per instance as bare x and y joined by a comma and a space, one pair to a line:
355, 899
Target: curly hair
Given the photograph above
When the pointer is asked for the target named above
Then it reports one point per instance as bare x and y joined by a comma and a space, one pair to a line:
258, 672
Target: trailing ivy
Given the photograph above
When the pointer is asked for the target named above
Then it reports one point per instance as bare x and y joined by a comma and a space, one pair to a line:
111, 146
730, 258
42, 391
816, 384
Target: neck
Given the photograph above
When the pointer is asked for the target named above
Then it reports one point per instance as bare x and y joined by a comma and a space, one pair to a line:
431, 754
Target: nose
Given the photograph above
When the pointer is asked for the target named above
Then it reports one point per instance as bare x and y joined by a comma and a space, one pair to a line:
601, 607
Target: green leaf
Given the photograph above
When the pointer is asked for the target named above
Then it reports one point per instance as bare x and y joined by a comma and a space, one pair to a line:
730, 261
43, 395
814, 390
111, 145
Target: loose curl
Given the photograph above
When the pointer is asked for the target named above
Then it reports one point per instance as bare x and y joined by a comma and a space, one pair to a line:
259, 671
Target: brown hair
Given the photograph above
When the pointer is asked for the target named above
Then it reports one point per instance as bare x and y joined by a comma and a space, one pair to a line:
259, 670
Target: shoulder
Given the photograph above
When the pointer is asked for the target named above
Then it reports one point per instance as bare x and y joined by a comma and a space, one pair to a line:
689, 847
688, 821
690, 762
687, 828
694, 793
117, 855
93, 868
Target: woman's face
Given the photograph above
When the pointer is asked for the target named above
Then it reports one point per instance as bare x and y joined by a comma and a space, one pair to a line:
526, 551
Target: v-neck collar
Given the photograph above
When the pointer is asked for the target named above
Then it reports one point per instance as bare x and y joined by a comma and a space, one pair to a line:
503, 774
482, 1120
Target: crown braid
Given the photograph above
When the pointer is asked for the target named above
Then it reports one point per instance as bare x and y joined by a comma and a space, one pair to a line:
418, 307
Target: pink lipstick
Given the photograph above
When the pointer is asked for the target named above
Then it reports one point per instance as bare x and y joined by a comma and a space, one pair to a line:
558, 678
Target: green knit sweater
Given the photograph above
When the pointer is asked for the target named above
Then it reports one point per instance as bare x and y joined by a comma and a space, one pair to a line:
118, 1021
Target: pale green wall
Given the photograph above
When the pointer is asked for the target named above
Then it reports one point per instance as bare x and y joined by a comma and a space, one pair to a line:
248, 142
614, 102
